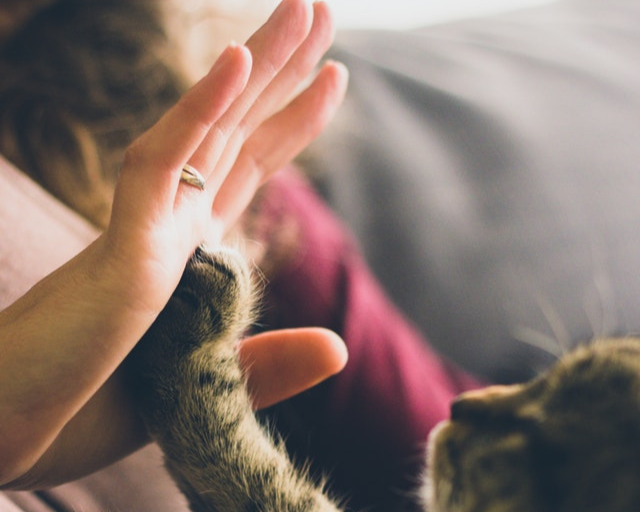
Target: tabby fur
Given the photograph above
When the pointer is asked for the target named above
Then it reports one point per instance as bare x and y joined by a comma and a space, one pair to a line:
193, 398
568, 441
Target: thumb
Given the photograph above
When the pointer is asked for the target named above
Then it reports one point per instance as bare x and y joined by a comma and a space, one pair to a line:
280, 364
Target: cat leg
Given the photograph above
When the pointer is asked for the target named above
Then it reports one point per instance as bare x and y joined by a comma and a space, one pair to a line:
195, 402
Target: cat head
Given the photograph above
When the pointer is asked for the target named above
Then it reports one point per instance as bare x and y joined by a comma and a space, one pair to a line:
568, 441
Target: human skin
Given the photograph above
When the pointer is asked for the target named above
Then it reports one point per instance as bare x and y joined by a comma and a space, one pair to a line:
64, 405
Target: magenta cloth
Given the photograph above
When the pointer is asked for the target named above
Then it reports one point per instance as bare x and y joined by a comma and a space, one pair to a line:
366, 428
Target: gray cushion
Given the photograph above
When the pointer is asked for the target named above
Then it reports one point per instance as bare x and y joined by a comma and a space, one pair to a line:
490, 169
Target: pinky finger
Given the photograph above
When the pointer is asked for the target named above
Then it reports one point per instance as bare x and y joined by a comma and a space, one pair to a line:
280, 139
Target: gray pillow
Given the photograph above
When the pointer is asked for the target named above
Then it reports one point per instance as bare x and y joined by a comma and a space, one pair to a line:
491, 170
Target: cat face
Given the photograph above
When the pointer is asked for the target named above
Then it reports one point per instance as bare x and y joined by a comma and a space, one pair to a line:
568, 441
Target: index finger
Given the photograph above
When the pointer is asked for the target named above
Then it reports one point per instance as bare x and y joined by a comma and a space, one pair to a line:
271, 46
153, 162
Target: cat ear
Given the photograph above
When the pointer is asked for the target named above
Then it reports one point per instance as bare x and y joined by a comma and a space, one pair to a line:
496, 401
482, 402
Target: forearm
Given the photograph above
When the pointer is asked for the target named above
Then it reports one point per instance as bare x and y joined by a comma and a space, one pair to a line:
105, 430
60, 343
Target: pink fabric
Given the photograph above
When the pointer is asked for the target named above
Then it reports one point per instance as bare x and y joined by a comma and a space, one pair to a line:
39, 234
366, 427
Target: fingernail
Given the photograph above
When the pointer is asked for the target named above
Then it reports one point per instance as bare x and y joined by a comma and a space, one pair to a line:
339, 65
224, 57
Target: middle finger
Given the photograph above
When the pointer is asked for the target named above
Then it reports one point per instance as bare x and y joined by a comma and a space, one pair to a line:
271, 47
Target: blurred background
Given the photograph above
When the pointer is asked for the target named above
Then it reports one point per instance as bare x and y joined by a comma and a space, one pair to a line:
403, 14
236, 20
393, 14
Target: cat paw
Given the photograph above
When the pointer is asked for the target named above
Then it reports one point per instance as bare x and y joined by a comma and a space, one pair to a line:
213, 302
193, 340
217, 292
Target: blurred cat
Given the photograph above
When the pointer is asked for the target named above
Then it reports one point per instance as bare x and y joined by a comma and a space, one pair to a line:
568, 441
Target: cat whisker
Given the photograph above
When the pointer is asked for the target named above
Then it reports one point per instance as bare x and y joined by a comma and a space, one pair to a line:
561, 337
533, 338
557, 345
599, 304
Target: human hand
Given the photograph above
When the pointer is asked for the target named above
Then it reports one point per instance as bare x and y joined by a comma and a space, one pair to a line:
74, 328
229, 127
283, 363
